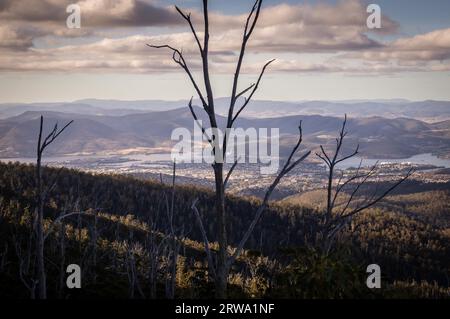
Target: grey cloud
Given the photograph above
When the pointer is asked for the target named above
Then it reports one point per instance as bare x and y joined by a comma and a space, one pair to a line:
27, 20
105, 13
283, 29
428, 47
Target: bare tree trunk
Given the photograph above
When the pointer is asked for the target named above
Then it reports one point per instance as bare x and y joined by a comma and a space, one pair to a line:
224, 261
40, 273
221, 270
174, 245
337, 218
40, 198
94, 238
62, 257
153, 255
4, 258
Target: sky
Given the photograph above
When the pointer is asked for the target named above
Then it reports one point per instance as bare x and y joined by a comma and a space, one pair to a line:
323, 50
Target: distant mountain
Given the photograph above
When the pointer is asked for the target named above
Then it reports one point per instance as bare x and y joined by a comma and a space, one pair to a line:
430, 111
426, 110
379, 137
143, 105
9, 110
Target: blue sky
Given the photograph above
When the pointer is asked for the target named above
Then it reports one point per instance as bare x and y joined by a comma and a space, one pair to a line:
415, 16
323, 49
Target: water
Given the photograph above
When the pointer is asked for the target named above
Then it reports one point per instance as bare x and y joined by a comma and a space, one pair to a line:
149, 160
99, 161
423, 159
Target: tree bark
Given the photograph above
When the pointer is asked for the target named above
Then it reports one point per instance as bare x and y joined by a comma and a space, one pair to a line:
222, 269
39, 211
40, 276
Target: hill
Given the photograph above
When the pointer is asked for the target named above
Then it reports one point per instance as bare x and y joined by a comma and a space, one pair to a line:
430, 111
90, 134
124, 222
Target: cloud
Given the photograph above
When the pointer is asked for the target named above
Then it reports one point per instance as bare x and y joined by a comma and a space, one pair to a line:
15, 39
128, 13
302, 28
102, 13
33, 10
292, 33
34, 19
281, 28
428, 52
432, 46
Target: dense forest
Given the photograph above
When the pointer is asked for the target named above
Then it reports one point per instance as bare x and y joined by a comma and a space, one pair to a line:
140, 239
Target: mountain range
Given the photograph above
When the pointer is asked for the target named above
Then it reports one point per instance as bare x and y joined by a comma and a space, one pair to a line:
430, 111
118, 128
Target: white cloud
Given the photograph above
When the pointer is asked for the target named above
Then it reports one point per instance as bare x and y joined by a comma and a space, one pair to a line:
291, 33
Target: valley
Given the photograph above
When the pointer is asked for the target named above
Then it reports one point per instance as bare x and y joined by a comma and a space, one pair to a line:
134, 138
247, 180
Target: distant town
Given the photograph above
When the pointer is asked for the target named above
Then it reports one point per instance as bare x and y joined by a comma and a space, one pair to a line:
246, 179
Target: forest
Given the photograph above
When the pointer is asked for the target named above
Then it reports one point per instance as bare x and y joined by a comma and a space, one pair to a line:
153, 238
141, 239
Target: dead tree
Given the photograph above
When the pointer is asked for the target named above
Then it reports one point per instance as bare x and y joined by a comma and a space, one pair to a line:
175, 237
41, 194
289, 165
219, 151
154, 249
62, 256
26, 261
174, 243
132, 269
343, 200
167, 245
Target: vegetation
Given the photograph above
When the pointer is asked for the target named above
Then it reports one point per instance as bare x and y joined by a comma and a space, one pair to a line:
221, 268
123, 242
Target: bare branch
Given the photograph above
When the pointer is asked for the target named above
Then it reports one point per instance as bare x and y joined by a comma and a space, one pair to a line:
48, 137
297, 145
60, 218
256, 9
298, 161
194, 115
355, 152
245, 91
204, 236
288, 166
51, 186
255, 87
187, 17
379, 198
333, 223
327, 161
340, 186
246, 36
52, 136
182, 63
340, 140
206, 78
355, 191
230, 172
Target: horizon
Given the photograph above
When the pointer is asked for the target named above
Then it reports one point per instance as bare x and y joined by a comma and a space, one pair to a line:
349, 101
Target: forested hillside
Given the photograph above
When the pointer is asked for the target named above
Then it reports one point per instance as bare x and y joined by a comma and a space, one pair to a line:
129, 242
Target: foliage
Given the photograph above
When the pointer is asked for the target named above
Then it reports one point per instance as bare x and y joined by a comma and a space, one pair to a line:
125, 219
